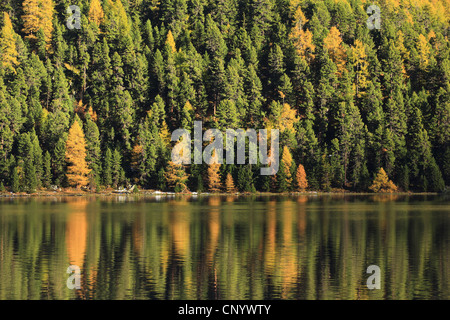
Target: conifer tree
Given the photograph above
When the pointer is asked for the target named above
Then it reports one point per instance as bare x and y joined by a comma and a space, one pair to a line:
381, 183
59, 162
245, 179
93, 151
30, 183
281, 182
214, 181
38, 14
96, 12
15, 183
37, 159
229, 184
116, 169
176, 177
8, 51
360, 65
107, 168
333, 44
286, 161
302, 182
303, 41
77, 168
47, 173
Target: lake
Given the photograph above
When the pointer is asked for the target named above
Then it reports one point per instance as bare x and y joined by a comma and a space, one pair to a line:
219, 247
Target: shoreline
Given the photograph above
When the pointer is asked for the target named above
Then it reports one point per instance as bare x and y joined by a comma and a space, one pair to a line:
154, 193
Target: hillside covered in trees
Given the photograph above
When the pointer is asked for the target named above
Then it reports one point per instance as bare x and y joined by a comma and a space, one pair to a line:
96, 106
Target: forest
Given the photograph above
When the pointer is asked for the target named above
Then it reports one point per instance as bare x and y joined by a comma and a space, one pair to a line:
95, 106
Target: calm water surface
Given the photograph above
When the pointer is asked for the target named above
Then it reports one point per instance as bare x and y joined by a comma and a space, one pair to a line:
302, 247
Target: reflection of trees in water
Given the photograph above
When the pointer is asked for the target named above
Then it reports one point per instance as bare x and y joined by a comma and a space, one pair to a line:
218, 249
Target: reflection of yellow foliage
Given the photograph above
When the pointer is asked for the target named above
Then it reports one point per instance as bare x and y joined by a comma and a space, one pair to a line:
301, 223
230, 199
385, 197
214, 201
214, 229
138, 235
76, 232
180, 227
270, 251
288, 255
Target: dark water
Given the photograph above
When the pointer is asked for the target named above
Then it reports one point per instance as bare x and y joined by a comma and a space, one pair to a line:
226, 247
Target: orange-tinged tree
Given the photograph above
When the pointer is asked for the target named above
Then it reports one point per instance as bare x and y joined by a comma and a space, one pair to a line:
302, 182
214, 183
229, 184
38, 14
382, 183
77, 168
96, 13
176, 177
8, 51
333, 43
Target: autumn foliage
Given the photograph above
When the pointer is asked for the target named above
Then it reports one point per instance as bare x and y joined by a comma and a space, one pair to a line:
96, 12
176, 177
229, 184
302, 182
382, 183
8, 52
77, 168
38, 14
214, 183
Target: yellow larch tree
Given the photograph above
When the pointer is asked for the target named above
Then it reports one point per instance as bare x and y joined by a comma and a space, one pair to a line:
176, 177
360, 65
171, 41
286, 158
38, 14
302, 182
302, 39
77, 168
288, 118
333, 43
96, 13
8, 51
423, 49
214, 182
400, 44
382, 183
229, 184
